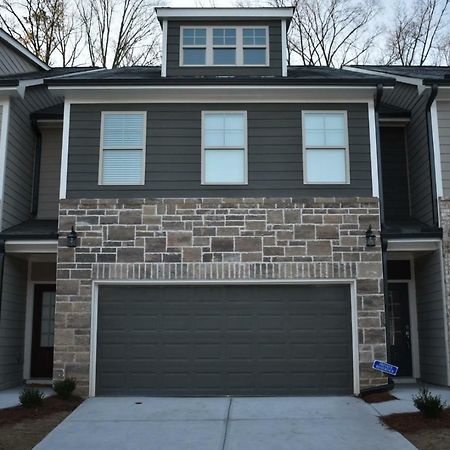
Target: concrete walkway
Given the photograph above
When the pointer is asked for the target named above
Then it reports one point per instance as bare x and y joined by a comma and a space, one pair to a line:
10, 397
290, 423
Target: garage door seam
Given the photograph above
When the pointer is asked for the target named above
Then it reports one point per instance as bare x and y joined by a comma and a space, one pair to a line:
226, 424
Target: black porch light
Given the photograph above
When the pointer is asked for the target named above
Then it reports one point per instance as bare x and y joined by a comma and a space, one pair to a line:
72, 238
370, 237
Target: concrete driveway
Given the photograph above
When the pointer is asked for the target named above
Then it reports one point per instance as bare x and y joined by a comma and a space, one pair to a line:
290, 423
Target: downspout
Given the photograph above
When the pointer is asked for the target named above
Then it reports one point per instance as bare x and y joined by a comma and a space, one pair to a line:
434, 199
378, 97
36, 169
2, 266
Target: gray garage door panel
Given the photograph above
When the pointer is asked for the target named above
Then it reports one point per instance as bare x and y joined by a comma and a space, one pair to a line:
219, 340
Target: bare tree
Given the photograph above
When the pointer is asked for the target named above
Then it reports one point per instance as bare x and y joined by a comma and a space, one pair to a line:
418, 33
120, 32
331, 32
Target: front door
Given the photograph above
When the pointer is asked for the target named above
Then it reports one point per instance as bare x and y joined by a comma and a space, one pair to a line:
43, 327
399, 328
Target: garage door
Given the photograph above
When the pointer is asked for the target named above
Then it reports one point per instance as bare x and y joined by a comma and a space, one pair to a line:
220, 340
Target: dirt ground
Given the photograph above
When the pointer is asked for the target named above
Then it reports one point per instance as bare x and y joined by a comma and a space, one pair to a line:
425, 434
23, 428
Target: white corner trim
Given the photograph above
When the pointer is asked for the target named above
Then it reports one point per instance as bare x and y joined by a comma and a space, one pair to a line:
283, 48
23, 50
4, 131
436, 149
64, 151
164, 49
373, 149
94, 313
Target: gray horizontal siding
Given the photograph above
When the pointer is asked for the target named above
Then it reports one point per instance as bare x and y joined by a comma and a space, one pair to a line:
173, 51
431, 319
173, 160
50, 172
444, 141
12, 322
12, 62
20, 155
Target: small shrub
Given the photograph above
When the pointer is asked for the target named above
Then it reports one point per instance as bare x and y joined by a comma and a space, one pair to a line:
31, 398
431, 406
64, 388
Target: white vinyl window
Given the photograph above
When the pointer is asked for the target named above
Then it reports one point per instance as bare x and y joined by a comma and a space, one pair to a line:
224, 147
325, 147
122, 148
224, 46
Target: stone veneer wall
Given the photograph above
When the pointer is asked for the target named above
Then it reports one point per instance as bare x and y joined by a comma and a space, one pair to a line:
215, 238
444, 209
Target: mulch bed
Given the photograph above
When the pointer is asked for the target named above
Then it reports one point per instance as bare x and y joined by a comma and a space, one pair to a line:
414, 422
50, 405
379, 397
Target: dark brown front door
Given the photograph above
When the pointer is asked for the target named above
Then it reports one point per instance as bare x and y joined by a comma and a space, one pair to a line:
400, 328
43, 327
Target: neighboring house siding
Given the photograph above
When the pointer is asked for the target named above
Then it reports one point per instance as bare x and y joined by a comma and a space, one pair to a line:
20, 155
173, 51
405, 96
444, 141
12, 322
173, 159
50, 171
431, 319
12, 62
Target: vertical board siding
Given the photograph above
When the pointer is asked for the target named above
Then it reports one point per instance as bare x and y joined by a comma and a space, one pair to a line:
443, 109
50, 171
11, 61
406, 96
20, 155
12, 322
173, 50
431, 319
173, 153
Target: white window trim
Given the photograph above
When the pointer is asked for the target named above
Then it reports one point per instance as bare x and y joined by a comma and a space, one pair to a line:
245, 147
144, 149
209, 47
346, 148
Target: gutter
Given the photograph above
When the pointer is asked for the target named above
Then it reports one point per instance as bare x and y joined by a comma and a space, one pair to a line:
432, 167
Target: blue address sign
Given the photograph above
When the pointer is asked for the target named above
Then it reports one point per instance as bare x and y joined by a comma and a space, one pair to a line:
385, 367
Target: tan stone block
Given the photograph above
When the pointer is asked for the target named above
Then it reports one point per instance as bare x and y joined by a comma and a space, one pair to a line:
327, 232
192, 254
305, 232
318, 248
179, 239
370, 270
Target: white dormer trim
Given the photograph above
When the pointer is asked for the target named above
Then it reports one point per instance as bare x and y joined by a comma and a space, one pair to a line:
284, 48
224, 13
164, 49
21, 49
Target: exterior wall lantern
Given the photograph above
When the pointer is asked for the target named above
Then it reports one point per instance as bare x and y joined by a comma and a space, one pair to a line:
72, 238
371, 239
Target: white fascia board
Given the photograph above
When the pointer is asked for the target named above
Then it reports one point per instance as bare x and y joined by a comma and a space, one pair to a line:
373, 149
64, 151
413, 245
436, 149
215, 94
164, 49
7, 91
402, 79
31, 246
4, 132
224, 13
21, 49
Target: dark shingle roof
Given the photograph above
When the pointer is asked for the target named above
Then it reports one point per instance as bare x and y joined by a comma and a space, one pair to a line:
429, 74
13, 79
297, 75
32, 229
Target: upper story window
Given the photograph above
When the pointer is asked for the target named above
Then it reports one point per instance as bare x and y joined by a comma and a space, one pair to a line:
224, 147
224, 46
122, 148
325, 147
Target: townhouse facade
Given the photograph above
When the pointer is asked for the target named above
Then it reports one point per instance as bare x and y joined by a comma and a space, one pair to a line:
228, 224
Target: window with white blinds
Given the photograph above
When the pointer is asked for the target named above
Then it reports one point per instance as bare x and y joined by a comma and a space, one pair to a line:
122, 148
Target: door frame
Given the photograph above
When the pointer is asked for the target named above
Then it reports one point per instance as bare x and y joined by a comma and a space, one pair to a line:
96, 284
415, 355
29, 311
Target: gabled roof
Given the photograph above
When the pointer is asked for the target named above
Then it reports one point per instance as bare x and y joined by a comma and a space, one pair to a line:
23, 51
428, 74
151, 76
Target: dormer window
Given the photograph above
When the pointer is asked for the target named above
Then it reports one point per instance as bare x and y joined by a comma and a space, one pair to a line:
224, 46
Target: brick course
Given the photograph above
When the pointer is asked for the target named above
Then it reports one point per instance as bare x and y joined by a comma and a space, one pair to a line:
214, 238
